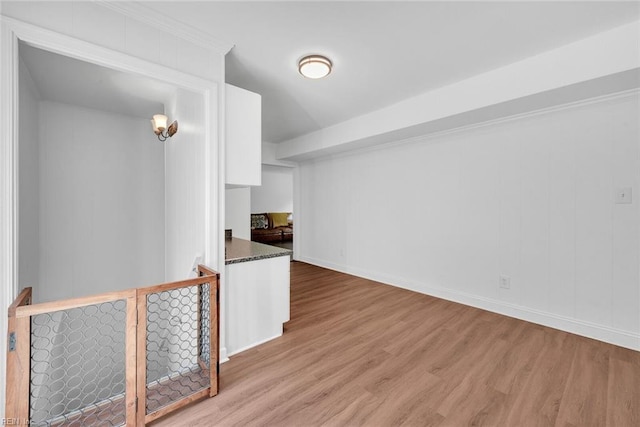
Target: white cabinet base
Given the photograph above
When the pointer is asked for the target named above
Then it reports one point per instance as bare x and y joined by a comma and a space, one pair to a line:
257, 298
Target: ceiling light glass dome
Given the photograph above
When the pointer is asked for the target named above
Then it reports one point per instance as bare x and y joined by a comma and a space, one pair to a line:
314, 66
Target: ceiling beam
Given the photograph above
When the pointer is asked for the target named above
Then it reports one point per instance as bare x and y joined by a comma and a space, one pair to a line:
605, 63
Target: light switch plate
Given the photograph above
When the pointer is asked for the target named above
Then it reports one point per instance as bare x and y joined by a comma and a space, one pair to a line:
623, 195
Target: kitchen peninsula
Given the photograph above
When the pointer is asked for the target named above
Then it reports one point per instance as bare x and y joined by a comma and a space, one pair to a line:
257, 293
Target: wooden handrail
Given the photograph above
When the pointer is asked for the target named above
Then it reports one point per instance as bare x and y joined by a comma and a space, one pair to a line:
174, 285
50, 307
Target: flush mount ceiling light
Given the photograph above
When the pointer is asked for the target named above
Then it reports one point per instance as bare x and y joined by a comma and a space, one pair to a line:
159, 123
314, 66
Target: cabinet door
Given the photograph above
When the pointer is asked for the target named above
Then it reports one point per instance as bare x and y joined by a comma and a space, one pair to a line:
257, 302
243, 137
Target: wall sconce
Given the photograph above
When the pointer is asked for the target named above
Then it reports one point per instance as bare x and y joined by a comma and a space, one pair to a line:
159, 123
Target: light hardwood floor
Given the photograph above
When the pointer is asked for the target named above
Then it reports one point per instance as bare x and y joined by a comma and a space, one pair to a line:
359, 353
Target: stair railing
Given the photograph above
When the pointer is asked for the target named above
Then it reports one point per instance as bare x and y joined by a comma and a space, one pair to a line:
119, 358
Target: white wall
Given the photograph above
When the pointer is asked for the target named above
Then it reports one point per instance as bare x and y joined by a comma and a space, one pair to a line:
276, 192
530, 198
29, 183
101, 203
238, 212
185, 187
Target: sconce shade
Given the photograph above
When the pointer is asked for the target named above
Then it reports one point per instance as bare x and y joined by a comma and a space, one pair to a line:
159, 123
315, 66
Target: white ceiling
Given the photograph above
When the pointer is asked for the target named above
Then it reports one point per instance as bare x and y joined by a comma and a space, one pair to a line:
62, 79
383, 52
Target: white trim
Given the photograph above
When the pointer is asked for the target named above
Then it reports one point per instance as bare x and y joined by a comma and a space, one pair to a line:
8, 182
297, 214
221, 163
209, 101
79, 49
240, 350
169, 24
223, 357
587, 329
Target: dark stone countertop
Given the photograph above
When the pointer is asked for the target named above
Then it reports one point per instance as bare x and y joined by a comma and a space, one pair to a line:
240, 250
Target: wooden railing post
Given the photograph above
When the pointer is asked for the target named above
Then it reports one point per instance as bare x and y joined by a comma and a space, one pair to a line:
214, 329
131, 368
18, 363
141, 355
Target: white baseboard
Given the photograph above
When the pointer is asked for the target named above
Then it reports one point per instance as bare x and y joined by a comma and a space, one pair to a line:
255, 344
599, 332
223, 355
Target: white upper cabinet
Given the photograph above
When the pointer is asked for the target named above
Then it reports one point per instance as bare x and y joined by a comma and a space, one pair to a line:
244, 137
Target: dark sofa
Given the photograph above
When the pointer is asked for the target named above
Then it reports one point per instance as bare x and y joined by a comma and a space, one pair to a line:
271, 227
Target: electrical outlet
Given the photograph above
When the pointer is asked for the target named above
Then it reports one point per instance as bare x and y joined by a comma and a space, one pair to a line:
505, 282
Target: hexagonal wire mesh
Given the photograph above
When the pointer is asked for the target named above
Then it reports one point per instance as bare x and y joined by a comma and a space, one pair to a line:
78, 366
177, 345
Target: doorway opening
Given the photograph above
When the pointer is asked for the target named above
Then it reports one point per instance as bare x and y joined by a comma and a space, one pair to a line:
274, 198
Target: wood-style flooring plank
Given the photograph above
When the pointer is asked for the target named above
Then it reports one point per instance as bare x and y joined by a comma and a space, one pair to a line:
585, 397
360, 353
538, 401
623, 394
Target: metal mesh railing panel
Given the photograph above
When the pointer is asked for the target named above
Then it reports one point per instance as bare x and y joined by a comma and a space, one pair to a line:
78, 366
205, 323
175, 341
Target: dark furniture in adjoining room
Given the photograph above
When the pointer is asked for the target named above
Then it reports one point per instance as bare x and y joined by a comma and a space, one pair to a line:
272, 227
